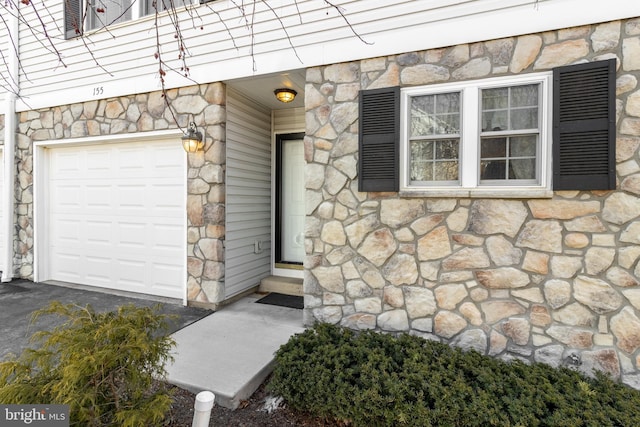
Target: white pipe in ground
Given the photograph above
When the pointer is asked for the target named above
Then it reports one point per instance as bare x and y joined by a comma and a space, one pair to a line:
203, 406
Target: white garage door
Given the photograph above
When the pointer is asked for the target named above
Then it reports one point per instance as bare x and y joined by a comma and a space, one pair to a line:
116, 217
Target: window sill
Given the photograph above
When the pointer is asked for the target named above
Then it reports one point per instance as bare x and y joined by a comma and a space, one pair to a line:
480, 193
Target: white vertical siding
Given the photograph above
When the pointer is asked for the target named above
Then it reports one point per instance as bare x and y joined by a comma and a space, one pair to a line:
218, 52
248, 198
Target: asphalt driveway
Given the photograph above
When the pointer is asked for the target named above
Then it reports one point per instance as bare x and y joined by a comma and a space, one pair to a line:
20, 298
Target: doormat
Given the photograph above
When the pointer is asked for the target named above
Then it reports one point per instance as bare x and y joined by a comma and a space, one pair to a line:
282, 300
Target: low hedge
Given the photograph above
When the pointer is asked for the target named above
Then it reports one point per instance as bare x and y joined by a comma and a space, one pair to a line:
373, 379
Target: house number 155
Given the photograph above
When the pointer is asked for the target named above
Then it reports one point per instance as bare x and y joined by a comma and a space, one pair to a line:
98, 90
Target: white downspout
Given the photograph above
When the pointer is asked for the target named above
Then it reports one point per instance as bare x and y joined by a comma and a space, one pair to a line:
6, 264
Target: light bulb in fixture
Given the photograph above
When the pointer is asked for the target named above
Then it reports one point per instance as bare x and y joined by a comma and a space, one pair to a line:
192, 139
285, 94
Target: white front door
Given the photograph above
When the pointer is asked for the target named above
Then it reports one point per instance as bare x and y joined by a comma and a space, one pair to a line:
290, 202
115, 216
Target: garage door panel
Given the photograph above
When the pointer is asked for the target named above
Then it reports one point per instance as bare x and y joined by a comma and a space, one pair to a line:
98, 232
68, 266
131, 274
132, 196
65, 196
65, 232
133, 236
131, 162
97, 196
167, 237
117, 217
66, 164
165, 276
98, 162
158, 200
164, 160
98, 270
167, 196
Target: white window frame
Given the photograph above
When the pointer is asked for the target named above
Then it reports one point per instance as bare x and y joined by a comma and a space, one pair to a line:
469, 179
145, 3
137, 12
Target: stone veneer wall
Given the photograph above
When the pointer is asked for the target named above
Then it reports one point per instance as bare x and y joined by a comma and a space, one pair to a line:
540, 280
132, 114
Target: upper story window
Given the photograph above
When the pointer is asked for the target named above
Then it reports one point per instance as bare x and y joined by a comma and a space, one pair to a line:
106, 12
477, 134
496, 137
102, 13
149, 6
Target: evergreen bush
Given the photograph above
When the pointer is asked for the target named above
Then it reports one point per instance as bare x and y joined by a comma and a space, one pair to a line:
374, 379
103, 365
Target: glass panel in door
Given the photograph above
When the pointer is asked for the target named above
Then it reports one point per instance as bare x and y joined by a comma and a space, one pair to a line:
290, 250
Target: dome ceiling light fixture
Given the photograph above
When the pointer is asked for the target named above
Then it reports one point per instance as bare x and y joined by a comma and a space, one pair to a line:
285, 94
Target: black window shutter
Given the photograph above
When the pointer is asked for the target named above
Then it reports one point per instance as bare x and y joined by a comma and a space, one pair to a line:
584, 126
379, 139
72, 18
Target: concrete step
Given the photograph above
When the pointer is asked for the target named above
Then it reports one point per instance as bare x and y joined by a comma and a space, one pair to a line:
281, 285
231, 351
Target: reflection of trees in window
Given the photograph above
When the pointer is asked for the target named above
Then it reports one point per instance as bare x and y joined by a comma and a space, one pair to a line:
148, 6
107, 12
103, 13
435, 137
434, 160
510, 108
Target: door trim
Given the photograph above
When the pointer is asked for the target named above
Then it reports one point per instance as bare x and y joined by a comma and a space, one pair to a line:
278, 231
286, 269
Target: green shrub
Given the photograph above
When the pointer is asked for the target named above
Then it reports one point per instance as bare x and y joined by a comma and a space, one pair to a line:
373, 379
102, 365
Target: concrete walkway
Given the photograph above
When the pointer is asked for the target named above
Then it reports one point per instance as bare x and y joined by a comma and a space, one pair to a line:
231, 351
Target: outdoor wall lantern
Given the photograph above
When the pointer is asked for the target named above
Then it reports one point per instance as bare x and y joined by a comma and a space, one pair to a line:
285, 94
192, 139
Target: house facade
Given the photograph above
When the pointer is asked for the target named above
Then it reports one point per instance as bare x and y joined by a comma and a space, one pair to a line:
464, 172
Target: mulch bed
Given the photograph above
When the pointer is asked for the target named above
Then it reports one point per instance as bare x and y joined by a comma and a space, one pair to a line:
250, 413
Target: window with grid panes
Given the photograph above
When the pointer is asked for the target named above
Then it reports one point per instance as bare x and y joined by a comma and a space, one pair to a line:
491, 133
